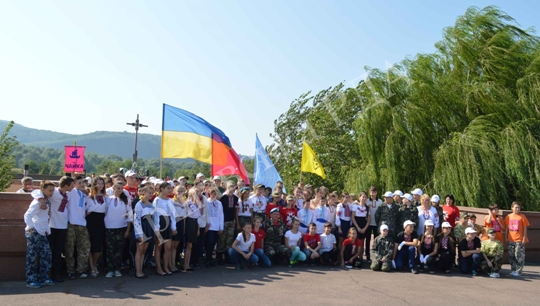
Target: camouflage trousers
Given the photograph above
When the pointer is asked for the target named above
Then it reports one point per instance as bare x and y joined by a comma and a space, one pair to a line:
225, 240
271, 249
115, 245
516, 253
377, 265
37, 246
77, 237
496, 262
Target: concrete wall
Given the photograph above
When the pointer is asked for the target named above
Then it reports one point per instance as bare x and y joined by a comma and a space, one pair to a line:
13, 245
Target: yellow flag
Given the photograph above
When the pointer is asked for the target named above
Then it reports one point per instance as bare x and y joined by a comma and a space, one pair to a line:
310, 161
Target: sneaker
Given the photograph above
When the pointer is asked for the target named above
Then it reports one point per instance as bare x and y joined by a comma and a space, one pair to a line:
109, 274
117, 273
474, 273
34, 285
348, 265
431, 271
414, 271
514, 274
237, 267
493, 275
497, 275
291, 264
93, 274
49, 282
72, 276
83, 275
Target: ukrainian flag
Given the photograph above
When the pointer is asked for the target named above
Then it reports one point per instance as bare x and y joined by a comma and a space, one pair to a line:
185, 135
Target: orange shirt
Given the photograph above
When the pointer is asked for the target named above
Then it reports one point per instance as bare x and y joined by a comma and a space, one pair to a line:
516, 225
499, 228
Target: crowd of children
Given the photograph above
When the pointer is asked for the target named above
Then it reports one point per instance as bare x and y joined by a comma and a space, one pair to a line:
179, 225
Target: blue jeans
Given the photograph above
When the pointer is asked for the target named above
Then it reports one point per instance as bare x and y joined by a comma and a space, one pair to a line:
308, 257
298, 255
235, 257
405, 254
467, 264
263, 259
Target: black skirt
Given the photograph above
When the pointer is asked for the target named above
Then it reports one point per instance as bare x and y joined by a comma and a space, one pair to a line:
96, 231
147, 229
345, 226
165, 227
180, 230
361, 221
192, 226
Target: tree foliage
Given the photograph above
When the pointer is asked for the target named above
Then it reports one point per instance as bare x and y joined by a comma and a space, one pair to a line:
7, 162
464, 120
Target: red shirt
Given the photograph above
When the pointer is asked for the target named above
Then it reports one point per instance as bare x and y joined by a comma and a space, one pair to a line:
357, 243
259, 236
312, 241
269, 207
287, 214
452, 212
132, 192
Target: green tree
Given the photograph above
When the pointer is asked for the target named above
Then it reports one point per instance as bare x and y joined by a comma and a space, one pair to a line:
7, 161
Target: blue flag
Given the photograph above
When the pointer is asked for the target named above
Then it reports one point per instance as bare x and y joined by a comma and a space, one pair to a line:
265, 171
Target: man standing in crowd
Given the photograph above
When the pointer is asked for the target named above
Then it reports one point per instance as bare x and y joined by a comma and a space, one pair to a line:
373, 204
387, 214
28, 185
417, 194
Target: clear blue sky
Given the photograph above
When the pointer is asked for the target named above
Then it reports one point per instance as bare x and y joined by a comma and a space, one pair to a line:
238, 64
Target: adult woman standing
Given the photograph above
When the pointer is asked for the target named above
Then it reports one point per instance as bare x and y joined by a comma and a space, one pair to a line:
426, 212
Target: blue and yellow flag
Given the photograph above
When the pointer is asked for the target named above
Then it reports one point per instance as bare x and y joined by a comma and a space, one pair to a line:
185, 135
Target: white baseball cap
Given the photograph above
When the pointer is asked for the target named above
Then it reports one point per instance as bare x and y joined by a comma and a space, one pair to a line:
130, 173
88, 179
408, 222
399, 193
435, 198
446, 224
408, 196
383, 227
470, 230
429, 223
217, 177
199, 175
388, 194
417, 191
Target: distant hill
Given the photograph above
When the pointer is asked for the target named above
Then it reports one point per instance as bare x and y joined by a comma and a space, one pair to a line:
100, 142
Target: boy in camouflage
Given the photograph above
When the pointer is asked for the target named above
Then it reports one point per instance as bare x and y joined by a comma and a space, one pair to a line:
275, 230
492, 251
382, 251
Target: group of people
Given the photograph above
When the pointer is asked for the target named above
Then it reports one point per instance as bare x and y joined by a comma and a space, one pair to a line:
179, 225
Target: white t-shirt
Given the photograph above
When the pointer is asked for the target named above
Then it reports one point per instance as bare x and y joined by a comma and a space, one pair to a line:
293, 238
359, 210
327, 242
77, 207
245, 246
243, 208
259, 204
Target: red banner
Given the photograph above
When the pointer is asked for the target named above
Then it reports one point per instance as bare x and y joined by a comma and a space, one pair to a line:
74, 161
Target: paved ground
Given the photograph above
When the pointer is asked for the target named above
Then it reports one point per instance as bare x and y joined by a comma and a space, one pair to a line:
285, 286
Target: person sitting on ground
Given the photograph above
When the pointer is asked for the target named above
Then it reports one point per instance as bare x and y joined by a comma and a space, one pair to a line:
352, 250
492, 251
312, 244
328, 252
243, 248
428, 247
275, 230
405, 247
447, 248
382, 251
470, 249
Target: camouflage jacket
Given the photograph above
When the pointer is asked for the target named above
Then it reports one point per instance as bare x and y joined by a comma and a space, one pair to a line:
383, 247
492, 248
406, 213
388, 216
274, 234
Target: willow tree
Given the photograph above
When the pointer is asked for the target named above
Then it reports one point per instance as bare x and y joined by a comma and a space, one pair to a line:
7, 160
463, 120
324, 120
